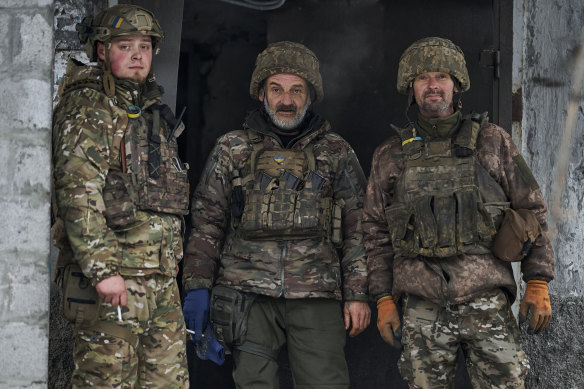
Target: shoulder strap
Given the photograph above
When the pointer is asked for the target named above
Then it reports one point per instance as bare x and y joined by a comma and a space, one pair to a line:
466, 138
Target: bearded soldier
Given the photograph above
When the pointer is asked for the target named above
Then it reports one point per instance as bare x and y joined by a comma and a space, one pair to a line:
121, 193
276, 234
441, 199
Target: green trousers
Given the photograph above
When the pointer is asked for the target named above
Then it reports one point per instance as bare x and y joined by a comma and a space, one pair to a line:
312, 331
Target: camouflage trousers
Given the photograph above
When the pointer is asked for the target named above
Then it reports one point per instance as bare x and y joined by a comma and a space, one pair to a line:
149, 351
485, 329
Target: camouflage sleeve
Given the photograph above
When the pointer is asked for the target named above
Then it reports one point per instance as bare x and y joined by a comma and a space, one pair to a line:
376, 235
499, 155
210, 215
349, 189
82, 138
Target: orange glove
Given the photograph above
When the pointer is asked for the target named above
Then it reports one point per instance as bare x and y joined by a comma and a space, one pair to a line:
388, 322
537, 302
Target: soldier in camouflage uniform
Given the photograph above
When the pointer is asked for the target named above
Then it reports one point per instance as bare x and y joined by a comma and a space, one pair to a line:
277, 217
121, 193
434, 202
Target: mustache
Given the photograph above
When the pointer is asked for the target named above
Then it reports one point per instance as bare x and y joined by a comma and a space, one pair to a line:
434, 92
283, 107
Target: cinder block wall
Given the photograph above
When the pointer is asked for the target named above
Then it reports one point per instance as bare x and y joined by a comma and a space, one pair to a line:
26, 63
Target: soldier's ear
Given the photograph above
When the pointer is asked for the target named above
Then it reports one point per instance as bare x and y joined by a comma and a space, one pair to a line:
101, 51
261, 95
456, 85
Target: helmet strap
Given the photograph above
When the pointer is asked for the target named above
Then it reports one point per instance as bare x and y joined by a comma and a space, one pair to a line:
411, 101
109, 83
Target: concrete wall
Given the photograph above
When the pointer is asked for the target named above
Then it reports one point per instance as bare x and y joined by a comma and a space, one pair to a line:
547, 35
26, 61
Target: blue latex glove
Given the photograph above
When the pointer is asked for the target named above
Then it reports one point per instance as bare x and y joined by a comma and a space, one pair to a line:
209, 348
196, 311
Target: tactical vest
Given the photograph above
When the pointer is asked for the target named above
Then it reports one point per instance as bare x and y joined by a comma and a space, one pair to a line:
283, 196
445, 203
152, 177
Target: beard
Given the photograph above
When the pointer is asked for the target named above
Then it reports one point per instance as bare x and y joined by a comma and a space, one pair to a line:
286, 125
434, 107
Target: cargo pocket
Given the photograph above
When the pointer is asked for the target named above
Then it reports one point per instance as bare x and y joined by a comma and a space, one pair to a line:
120, 202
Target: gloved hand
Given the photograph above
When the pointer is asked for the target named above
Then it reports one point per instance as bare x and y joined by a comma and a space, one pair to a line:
388, 322
536, 302
196, 311
209, 348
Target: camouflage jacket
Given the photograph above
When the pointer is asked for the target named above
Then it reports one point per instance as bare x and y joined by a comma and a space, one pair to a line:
88, 128
454, 279
217, 253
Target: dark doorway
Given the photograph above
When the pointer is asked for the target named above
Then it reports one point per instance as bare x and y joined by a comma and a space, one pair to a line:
358, 43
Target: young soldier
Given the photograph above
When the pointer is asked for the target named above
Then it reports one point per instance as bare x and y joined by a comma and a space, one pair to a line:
121, 193
434, 203
277, 204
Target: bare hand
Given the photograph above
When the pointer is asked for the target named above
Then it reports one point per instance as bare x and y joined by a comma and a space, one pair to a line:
112, 290
357, 315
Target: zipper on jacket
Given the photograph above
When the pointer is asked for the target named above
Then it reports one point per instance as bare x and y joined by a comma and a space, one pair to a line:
282, 260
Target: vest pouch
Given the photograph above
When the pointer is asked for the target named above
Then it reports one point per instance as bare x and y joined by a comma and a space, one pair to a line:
467, 229
337, 224
425, 225
168, 190
228, 315
312, 214
79, 299
254, 219
281, 210
445, 214
119, 198
518, 232
401, 228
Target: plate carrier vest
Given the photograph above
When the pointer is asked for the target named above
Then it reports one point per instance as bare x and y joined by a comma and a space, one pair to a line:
284, 197
445, 203
152, 177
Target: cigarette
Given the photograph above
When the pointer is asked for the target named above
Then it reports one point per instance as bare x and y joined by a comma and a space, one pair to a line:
120, 313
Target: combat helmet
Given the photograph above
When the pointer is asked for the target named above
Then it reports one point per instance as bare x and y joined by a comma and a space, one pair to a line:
119, 20
287, 57
432, 54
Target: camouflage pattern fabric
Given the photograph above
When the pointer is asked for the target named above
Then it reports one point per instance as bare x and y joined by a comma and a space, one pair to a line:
87, 132
487, 331
456, 279
115, 21
308, 267
287, 57
88, 128
445, 203
432, 54
154, 315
